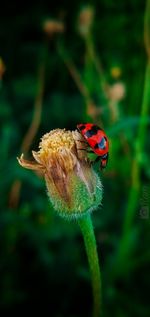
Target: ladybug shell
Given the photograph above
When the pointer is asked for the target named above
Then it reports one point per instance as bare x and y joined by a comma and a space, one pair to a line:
97, 140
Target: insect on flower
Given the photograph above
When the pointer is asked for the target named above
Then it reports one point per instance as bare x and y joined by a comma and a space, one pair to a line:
73, 187
97, 140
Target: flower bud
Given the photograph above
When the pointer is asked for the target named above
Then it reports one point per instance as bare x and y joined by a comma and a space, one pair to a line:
51, 27
116, 72
85, 20
73, 187
117, 91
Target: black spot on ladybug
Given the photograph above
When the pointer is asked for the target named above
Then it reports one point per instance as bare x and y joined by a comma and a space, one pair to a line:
92, 131
101, 145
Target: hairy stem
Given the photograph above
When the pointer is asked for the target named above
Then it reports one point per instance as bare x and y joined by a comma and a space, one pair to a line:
86, 227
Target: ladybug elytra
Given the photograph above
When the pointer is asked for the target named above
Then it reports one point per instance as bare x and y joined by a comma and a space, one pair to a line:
97, 140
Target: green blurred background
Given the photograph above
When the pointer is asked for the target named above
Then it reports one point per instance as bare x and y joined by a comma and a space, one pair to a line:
62, 64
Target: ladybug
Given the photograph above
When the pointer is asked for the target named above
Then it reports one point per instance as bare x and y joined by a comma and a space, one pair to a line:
97, 140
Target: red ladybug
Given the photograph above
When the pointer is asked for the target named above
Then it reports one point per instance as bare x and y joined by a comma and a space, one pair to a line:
97, 140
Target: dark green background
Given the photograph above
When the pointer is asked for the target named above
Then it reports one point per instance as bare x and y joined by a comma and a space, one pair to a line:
43, 265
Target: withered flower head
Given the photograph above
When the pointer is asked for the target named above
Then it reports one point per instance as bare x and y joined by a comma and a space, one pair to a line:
51, 27
72, 185
85, 20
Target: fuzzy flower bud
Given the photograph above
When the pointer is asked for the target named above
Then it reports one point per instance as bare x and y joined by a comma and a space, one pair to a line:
73, 187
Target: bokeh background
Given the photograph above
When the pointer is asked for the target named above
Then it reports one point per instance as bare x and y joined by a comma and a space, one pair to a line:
63, 63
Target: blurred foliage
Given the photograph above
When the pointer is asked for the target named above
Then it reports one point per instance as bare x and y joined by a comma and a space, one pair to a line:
98, 78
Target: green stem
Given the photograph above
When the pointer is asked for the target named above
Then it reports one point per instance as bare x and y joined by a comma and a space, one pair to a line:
125, 242
93, 58
86, 227
141, 136
139, 148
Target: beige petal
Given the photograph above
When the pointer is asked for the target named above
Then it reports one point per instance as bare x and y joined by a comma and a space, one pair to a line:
29, 164
36, 156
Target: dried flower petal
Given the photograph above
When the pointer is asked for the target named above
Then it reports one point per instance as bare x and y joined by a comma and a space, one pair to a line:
29, 164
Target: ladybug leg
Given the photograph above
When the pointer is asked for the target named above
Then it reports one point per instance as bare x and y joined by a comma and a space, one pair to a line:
81, 141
